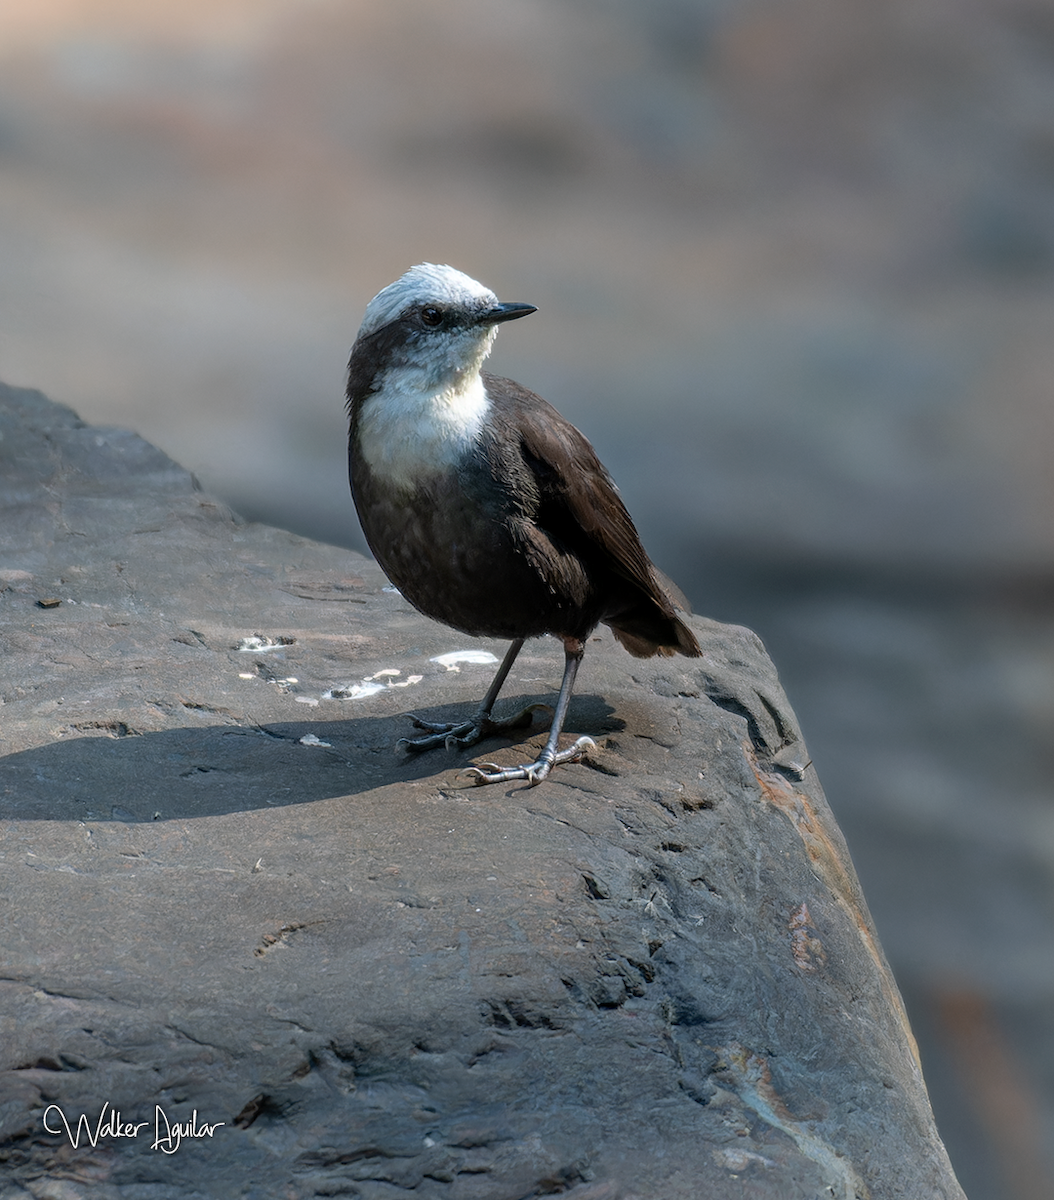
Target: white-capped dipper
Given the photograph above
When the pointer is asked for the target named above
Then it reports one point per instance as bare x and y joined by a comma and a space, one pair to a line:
486, 509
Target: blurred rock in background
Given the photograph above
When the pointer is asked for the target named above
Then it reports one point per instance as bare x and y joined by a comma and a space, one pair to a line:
794, 263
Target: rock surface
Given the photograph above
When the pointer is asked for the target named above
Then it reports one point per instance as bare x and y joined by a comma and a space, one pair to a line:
227, 900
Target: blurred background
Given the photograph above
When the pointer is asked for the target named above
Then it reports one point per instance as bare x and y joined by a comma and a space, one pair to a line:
794, 263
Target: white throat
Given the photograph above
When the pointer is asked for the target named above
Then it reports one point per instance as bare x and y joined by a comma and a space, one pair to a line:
407, 434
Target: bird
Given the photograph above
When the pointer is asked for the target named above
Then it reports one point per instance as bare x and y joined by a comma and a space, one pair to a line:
488, 510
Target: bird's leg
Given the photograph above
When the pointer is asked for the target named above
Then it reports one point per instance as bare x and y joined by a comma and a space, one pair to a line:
536, 771
454, 734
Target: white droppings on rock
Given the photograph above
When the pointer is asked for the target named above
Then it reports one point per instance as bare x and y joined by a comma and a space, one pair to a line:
260, 643
353, 691
454, 658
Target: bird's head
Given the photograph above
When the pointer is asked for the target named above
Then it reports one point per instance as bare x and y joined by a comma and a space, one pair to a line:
433, 327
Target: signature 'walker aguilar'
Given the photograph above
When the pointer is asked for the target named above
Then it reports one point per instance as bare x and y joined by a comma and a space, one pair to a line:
486, 509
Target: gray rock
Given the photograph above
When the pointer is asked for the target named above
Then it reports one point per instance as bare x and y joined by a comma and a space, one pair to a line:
231, 905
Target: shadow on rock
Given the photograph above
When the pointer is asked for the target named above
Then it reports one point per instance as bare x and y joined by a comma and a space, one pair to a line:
215, 769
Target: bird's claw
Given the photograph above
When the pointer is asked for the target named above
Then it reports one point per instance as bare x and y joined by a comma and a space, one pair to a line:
533, 772
440, 733
436, 726
459, 735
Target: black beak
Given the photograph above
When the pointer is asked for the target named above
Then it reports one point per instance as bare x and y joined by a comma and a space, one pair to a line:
506, 312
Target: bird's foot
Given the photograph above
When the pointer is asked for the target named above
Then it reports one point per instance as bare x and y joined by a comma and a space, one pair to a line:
456, 735
533, 772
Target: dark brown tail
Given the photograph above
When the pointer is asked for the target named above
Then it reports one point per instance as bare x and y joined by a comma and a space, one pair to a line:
651, 625
644, 638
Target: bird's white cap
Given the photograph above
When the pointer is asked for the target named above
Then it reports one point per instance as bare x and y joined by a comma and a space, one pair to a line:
427, 281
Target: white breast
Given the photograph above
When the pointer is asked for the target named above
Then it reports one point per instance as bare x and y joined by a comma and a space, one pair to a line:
407, 435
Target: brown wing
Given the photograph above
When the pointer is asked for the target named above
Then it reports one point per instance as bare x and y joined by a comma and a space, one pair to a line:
579, 503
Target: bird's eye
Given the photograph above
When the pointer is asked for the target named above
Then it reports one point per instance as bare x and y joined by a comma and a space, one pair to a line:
431, 315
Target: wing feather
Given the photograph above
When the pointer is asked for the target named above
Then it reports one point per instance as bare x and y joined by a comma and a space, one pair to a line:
578, 496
